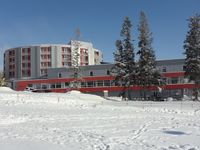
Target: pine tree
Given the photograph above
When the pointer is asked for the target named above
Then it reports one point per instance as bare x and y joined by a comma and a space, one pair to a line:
192, 52
76, 83
2, 80
124, 69
119, 67
147, 74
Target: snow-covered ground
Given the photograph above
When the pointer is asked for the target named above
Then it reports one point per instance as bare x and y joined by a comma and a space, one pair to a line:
76, 121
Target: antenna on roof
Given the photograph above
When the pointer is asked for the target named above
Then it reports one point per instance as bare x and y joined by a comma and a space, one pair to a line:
78, 33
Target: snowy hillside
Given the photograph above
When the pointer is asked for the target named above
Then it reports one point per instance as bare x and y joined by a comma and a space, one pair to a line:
76, 121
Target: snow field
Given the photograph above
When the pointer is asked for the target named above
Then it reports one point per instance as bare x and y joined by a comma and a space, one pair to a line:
81, 121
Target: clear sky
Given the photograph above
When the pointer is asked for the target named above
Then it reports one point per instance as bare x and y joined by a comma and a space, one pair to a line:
26, 22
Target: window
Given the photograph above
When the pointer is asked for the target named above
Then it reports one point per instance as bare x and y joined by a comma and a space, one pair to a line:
114, 83
62, 85
99, 83
26, 50
42, 64
83, 84
184, 68
30, 85
44, 86
108, 72
26, 73
26, 57
164, 69
106, 82
96, 53
45, 49
64, 56
69, 50
90, 84
181, 79
29, 73
58, 85
66, 63
75, 75
66, 50
53, 86
91, 73
59, 75
37, 86
23, 65
43, 71
11, 74
164, 80
174, 80
69, 63
66, 84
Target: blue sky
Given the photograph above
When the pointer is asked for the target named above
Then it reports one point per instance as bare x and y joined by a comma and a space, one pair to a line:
25, 22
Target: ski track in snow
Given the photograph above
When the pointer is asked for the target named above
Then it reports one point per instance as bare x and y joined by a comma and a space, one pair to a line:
88, 122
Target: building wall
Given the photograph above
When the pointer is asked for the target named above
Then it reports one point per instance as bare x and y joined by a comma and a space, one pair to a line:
164, 66
173, 65
38, 63
85, 71
59, 80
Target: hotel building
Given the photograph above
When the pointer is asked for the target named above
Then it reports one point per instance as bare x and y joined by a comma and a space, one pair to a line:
29, 62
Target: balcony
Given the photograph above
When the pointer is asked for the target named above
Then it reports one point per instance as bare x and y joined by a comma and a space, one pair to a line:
45, 50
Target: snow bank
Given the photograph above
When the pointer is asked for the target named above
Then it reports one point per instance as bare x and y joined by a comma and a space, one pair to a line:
170, 99
77, 95
74, 92
72, 99
186, 98
6, 89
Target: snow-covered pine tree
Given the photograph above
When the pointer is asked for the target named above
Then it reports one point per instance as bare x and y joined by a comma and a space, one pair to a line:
118, 69
124, 68
147, 74
75, 61
192, 52
2, 80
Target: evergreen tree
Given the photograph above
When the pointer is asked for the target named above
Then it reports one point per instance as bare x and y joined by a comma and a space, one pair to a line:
119, 67
147, 74
124, 69
192, 52
2, 80
76, 83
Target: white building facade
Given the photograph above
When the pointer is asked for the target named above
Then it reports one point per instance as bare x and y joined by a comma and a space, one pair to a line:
29, 62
